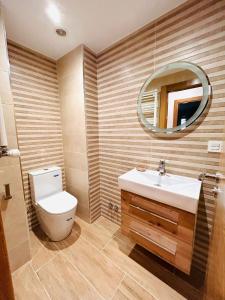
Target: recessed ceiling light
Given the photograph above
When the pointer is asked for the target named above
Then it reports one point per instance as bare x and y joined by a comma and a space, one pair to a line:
61, 32
53, 13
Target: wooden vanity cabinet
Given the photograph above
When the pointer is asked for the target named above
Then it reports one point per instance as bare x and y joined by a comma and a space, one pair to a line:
166, 231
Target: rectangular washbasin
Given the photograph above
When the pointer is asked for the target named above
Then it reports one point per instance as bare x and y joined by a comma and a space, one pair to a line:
178, 191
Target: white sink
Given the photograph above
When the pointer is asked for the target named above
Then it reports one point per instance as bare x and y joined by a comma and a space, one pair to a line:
178, 191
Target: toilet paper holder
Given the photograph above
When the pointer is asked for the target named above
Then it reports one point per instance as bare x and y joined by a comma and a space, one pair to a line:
4, 151
7, 195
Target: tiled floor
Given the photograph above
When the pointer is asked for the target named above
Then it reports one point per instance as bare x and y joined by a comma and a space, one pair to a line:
94, 262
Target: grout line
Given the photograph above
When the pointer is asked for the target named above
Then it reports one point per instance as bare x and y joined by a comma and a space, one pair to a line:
16, 273
107, 233
137, 282
101, 225
89, 242
40, 248
43, 265
107, 243
42, 285
82, 275
100, 251
119, 285
103, 254
161, 282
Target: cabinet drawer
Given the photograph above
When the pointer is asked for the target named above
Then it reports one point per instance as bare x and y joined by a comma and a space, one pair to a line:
174, 221
152, 246
150, 238
153, 218
169, 248
157, 208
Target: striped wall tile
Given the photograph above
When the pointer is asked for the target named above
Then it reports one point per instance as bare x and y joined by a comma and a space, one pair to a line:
37, 112
193, 32
91, 114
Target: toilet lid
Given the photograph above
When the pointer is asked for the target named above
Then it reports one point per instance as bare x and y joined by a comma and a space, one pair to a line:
58, 203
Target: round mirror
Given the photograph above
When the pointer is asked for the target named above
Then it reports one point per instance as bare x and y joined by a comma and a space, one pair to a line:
173, 97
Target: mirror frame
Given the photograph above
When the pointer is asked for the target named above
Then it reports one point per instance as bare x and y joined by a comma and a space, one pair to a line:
205, 97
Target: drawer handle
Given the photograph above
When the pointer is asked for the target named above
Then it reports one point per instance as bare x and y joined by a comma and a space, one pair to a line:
153, 214
154, 242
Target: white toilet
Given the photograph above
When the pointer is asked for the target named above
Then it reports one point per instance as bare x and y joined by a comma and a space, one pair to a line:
55, 208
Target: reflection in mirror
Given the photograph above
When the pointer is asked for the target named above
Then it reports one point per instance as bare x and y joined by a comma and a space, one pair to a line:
171, 98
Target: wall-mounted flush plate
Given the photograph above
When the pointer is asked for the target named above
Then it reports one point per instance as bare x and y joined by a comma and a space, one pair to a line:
215, 146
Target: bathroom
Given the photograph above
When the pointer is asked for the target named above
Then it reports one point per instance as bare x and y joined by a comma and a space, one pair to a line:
112, 126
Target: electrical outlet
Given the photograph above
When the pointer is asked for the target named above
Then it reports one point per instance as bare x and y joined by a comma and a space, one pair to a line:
215, 146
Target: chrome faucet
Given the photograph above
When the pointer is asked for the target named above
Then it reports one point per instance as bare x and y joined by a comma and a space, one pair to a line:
162, 167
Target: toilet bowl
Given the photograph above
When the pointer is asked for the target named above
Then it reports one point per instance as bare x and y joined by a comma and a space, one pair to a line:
55, 208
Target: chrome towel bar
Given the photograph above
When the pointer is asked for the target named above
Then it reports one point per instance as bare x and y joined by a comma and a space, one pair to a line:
217, 176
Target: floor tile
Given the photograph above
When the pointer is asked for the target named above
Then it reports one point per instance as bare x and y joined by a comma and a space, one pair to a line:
190, 286
98, 269
27, 285
109, 226
96, 261
130, 290
96, 235
42, 257
118, 251
35, 244
63, 281
42, 249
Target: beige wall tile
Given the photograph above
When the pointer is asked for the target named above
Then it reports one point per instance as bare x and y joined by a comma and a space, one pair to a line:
70, 62
92, 135
37, 113
4, 63
13, 210
10, 175
6, 94
83, 199
8, 111
19, 255
70, 142
192, 33
76, 161
70, 74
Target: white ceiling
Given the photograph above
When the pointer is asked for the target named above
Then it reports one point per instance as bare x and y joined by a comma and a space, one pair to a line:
95, 23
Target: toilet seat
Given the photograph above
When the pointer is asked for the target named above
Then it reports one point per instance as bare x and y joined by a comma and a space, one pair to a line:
58, 203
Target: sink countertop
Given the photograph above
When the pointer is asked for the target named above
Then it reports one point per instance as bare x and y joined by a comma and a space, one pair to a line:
178, 191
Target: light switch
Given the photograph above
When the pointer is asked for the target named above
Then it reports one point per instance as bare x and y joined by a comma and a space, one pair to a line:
215, 146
